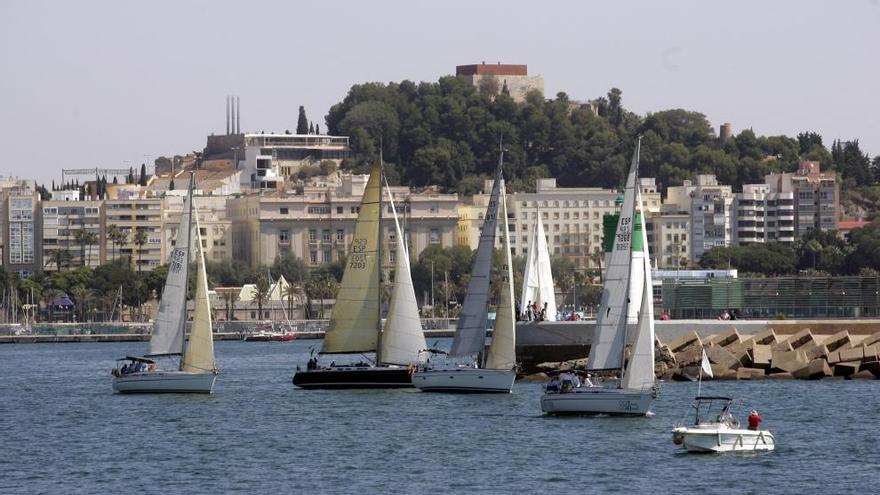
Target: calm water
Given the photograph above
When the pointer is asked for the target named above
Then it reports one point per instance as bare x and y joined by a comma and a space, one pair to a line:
62, 430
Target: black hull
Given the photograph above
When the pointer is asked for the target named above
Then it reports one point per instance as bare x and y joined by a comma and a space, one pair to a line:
343, 378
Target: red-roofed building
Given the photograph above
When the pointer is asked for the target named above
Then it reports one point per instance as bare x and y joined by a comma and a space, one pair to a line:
845, 227
515, 76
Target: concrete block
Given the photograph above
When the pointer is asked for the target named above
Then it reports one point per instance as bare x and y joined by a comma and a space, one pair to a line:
816, 351
686, 340
816, 370
722, 372
780, 376
687, 374
836, 341
801, 339
761, 356
722, 357
689, 355
872, 339
665, 355
852, 354
782, 346
846, 369
749, 374
872, 367
833, 357
863, 375
767, 337
788, 361
871, 352
724, 339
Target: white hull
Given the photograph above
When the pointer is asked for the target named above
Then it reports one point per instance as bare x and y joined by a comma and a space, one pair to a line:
464, 380
713, 438
598, 400
165, 382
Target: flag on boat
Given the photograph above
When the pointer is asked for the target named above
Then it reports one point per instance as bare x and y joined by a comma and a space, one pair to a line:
707, 368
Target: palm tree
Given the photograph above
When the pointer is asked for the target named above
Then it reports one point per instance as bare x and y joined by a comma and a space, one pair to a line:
80, 238
48, 297
58, 257
289, 292
90, 240
114, 233
140, 238
261, 295
229, 298
596, 257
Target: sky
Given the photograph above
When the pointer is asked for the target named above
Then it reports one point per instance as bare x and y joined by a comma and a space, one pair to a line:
116, 83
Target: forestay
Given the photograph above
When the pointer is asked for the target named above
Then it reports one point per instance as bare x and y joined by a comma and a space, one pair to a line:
402, 337
169, 327
606, 351
502, 350
639, 374
470, 334
355, 316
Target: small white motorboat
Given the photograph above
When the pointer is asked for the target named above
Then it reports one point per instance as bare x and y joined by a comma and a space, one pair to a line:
716, 429
464, 379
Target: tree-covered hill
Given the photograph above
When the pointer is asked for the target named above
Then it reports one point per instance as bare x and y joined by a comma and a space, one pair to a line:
447, 133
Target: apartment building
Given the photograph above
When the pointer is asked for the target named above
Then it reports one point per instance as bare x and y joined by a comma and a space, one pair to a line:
669, 238
763, 215
816, 196
73, 234
318, 224
214, 226
132, 216
20, 225
572, 217
709, 207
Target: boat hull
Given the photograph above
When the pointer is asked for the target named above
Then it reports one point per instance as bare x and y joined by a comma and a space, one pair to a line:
598, 400
723, 440
353, 377
464, 380
155, 382
285, 337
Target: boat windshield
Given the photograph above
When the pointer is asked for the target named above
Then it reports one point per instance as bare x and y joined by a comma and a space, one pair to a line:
714, 410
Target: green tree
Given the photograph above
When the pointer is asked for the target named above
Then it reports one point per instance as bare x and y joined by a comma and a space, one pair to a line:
140, 239
302, 122
261, 294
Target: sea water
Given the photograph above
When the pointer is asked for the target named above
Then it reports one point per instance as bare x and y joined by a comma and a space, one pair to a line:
63, 430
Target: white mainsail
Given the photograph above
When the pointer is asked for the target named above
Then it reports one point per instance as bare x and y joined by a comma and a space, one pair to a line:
402, 338
199, 355
355, 318
502, 350
606, 351
639, 374
538, 277
170, 324
470, 333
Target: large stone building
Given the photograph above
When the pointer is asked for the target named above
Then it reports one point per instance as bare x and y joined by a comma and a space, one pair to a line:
20, 225
572, 217
318, 224
816, 196
514, 77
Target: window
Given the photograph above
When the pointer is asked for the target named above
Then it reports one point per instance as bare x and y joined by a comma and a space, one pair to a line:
328, 256
313, 257
392, 256
284, 211
284, 236
339, 210
313, 235
340, 235
434, 236
319, 210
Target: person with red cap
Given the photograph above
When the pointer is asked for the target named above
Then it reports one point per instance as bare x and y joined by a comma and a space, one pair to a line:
754, 420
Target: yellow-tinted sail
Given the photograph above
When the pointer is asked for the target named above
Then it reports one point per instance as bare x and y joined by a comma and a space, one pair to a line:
199, 356
354, 322
502, 350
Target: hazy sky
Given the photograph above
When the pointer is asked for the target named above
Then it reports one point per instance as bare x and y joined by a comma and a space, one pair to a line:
114, 83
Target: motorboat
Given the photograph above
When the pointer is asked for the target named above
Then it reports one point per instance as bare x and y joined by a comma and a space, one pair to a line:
716, 429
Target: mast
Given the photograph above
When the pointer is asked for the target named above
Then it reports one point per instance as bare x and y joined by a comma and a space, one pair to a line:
188, 255
379, 260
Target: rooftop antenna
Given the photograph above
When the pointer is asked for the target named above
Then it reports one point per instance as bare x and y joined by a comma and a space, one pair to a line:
227, 115
237, 115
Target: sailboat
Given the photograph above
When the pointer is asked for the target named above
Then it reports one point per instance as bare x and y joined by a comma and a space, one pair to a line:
492, 370
628, 280
537, 286
355, 324
196, 370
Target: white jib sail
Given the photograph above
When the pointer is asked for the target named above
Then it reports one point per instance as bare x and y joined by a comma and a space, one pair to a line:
639, 373
355, 316
538, 277
502, 350
199, 355
170, 324
470, 333
606, 351
402, 338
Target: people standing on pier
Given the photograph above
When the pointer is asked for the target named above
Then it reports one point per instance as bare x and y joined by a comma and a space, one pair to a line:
544, 312
529, 311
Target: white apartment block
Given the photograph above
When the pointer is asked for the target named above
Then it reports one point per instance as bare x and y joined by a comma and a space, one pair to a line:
266, 160
709, 205
669, 232
214, 226
816, 196
318, 224
64, 223
133, 216
763, 215
572, 217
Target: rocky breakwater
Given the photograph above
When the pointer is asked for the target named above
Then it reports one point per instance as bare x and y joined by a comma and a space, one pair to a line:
768, 355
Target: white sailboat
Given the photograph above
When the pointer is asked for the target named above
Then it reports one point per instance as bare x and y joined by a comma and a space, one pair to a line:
629, 268
196, 370
355, 325
537, 286
492, 370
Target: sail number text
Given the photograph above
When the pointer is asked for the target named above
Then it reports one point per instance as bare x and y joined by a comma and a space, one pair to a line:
623, 235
